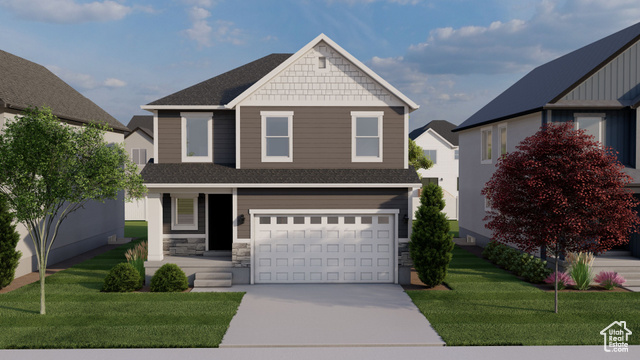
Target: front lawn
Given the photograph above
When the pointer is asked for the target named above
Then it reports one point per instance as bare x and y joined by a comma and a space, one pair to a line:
454, 228
80, 316
488, 306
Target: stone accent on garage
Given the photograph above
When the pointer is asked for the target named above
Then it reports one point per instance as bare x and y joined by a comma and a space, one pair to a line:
404, 257
240, 255
188, 247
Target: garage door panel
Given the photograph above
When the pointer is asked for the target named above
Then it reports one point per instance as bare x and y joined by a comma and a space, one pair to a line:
327, 248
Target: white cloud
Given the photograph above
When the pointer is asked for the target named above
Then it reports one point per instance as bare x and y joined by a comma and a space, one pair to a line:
355, 2
200, 30
84, 81
227, 32
67, 11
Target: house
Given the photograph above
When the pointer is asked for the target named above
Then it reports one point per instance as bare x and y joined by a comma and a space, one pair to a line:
441, 146
597, 87
139, 145
25, 84
290, 169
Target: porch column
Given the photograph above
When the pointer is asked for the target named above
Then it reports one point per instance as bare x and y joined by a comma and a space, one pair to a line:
154, 231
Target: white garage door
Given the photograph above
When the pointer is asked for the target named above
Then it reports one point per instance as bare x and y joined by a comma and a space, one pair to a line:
340, 248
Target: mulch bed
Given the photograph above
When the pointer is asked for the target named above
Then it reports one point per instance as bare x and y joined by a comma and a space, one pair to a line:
416, 284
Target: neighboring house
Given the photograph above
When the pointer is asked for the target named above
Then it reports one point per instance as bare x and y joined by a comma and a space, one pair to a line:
139, 145
597, 87
441, 146
23, 84
290, 169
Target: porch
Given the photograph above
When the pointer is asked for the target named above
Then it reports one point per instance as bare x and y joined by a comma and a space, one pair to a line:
203, 266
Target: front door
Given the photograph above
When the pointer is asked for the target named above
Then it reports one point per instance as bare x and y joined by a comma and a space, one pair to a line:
220, 221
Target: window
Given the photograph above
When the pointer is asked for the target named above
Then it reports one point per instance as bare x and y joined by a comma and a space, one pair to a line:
456, 154
139, 156
432, 155
487, 204
322, 62
197, 140
427, 181
486, 146
277, 138
366, 132
184, 212
592, 124
502, 130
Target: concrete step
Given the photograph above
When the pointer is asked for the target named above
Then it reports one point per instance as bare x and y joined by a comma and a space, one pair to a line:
212, 283
214, 276
217, 253
616, 253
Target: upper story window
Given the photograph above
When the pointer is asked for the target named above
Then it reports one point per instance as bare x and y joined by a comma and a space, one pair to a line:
456, 154
432, 155
139, 156
277, 136
486, 146
197, 142
322, 62
592, 123
502, 130
366, 133
184, 212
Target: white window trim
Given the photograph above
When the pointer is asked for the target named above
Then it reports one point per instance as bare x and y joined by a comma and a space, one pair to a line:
354, 116
602, 116
436, 151
482, 145
201, 115
174, 208
487, 206
506, 140
263, 135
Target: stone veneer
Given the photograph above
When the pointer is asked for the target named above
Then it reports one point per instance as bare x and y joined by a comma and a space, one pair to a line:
188, 247
240, 255
404, 257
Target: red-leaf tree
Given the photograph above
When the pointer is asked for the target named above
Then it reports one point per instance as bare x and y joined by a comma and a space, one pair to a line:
563, 191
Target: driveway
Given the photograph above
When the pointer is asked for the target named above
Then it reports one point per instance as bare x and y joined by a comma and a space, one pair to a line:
297, 315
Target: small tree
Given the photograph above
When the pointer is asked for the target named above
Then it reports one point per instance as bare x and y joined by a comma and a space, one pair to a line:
417, 159
431, 243
9, 238
49, 169
560, 190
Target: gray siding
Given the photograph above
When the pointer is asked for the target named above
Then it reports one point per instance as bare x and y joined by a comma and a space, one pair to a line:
321, 199
169, 137
166, 217
619, 130
322, 138
618, 80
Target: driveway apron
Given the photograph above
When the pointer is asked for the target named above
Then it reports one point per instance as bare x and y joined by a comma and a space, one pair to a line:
297, 315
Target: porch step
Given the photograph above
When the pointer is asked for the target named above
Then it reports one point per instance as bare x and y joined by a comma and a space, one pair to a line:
217, 253
621, 262
616, 253
213, 279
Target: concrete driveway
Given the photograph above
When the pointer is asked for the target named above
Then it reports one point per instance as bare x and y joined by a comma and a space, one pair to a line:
328, 315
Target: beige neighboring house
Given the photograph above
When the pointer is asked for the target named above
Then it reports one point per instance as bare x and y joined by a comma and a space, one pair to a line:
23, 84
139, 145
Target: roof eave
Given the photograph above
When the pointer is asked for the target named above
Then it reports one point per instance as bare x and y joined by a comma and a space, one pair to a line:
121, 129
184, 107
502, 118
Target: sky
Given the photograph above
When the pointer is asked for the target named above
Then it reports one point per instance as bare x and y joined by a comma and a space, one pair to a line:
449, 56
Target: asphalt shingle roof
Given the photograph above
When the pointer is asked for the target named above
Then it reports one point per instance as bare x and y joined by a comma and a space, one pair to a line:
207, 173
24, 83
442, 127
143, 122
220, 90
549, 81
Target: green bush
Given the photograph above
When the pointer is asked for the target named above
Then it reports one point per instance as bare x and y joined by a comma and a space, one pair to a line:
431, 243
531, 268
9, 238
122, 278
581, 273
536, 270
169, 278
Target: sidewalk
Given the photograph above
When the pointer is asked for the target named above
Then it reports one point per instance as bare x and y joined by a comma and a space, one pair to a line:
52, 269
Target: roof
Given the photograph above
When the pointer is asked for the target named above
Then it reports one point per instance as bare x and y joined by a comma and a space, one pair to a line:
220, 90
549, 82
442, 127
207, 173
143, 123
24, 83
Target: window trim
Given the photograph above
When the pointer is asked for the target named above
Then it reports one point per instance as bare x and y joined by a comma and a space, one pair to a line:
435, 162
456, 153
354, 116
263, 135
199, 115
487, 204
483, 145
601, 126
145, 156
174, 209
506, 138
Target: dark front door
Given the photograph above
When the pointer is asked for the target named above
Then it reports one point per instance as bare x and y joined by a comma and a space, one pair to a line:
220, 221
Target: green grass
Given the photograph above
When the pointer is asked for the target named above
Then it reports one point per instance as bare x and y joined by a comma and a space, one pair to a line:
488, 306
80, 316
454, 228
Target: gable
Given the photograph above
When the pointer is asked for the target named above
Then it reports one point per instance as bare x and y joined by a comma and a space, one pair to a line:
619, 80
303, 82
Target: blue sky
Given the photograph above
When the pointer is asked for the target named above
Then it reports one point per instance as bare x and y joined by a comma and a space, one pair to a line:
449, 56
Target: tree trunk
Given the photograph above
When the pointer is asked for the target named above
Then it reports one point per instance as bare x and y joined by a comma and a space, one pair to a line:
43, 273
556, 282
